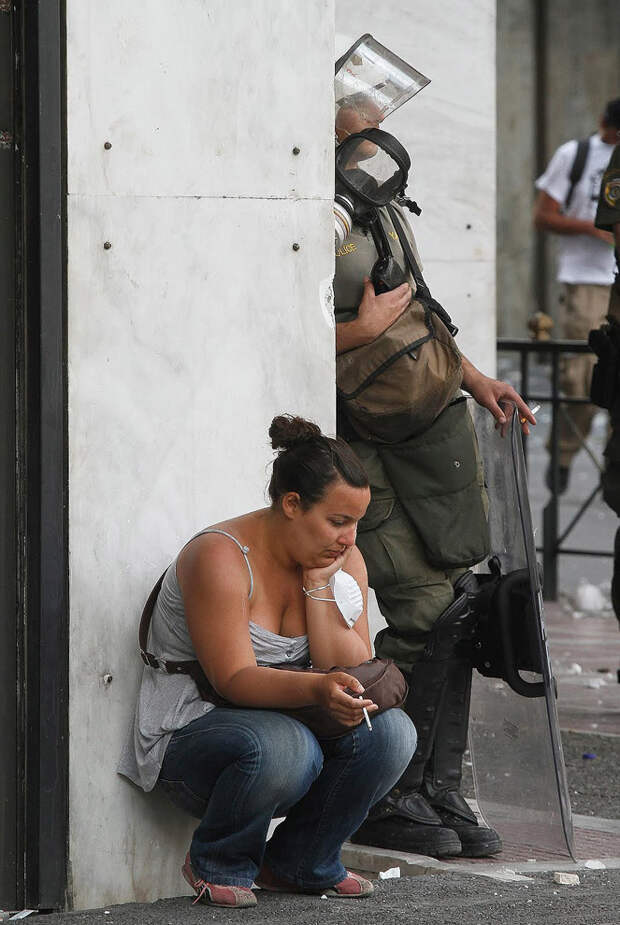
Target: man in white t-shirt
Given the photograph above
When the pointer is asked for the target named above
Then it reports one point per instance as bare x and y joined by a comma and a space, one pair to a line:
585, 266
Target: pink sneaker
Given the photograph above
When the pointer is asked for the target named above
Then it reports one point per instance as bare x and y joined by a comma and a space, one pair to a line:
215, 894
352, 887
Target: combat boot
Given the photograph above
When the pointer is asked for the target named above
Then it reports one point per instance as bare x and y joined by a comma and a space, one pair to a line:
403, 819
443, 772
425, 812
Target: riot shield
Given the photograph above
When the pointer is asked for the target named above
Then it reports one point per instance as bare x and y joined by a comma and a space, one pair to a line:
518, 765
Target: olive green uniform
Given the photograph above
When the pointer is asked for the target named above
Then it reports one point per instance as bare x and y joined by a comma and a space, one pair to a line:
608, 215
426, 519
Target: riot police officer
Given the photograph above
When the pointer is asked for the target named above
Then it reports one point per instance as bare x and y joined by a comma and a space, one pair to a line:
423, 529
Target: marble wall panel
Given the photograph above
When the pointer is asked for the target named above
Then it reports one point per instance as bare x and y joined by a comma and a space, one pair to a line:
180, 353
198, 99
200, 321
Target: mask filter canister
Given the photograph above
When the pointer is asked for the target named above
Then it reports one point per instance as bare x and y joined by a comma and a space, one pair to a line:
343, 218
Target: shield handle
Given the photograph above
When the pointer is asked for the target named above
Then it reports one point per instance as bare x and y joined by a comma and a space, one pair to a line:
511, 672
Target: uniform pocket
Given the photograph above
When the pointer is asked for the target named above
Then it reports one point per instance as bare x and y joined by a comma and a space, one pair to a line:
436, 477
377, 513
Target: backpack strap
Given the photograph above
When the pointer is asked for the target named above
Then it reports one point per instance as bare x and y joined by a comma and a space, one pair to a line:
190, 667
145, 622
422, 291
576, 171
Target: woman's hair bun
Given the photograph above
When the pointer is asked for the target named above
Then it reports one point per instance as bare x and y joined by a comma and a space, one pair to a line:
287, 430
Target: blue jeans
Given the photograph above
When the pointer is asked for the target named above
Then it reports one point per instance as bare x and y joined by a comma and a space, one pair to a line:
238, 768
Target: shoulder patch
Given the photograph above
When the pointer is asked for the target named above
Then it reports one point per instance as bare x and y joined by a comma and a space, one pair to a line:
611, 191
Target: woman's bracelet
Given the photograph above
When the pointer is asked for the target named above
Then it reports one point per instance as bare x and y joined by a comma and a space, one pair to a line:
310, 593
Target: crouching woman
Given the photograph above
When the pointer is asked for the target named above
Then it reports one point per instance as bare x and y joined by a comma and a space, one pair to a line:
285, 584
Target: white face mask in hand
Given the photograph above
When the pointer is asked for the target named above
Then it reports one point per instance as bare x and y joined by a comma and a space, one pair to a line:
348, 596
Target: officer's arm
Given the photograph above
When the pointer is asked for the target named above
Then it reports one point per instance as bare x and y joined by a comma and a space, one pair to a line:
493, 394
548, 216
351, 334
375, 313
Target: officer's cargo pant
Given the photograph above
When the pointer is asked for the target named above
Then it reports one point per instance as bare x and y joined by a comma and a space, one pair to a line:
426, 523
611, 474
585, 308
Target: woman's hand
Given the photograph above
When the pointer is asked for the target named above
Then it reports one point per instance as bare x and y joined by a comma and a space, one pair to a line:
318, 577
346, 709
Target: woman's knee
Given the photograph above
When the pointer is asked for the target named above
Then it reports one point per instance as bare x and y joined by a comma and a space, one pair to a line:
288, 759
394, 739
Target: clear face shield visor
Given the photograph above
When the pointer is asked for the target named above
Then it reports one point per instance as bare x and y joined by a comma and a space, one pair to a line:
373, 81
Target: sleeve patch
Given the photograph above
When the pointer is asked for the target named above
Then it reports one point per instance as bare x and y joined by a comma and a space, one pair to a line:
611, 191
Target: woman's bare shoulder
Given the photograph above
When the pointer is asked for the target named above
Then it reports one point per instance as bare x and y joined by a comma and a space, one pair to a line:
213, 559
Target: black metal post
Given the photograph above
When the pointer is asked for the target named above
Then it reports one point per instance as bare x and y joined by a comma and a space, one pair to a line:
53, 565
9, 634
550, 513
40, 343
540, 140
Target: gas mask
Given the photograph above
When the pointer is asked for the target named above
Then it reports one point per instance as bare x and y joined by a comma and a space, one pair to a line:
372, 167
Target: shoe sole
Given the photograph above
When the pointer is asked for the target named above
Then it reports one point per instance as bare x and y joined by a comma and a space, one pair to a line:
484, 849
445, 844
329, 892
205, 899
332, 895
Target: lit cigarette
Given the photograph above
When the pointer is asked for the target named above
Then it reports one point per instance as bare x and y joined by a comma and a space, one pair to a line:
534, 410
366, 716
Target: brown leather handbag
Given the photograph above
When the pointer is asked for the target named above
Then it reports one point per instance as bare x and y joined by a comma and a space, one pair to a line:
382, 681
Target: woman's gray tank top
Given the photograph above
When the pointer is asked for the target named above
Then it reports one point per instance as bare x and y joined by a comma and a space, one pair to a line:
167, 702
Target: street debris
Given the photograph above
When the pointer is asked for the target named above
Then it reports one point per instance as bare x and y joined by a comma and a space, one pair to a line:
574, 669
595, 865
565, 879
589, 756
508, 874
22, 915
392, 873
596, 682
589, 598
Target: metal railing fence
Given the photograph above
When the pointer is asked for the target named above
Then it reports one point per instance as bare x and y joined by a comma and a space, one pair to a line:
553, 540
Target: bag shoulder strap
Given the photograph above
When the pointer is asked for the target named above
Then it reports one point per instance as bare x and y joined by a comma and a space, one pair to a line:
185, 667
576, 171
422, 290
145, 623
